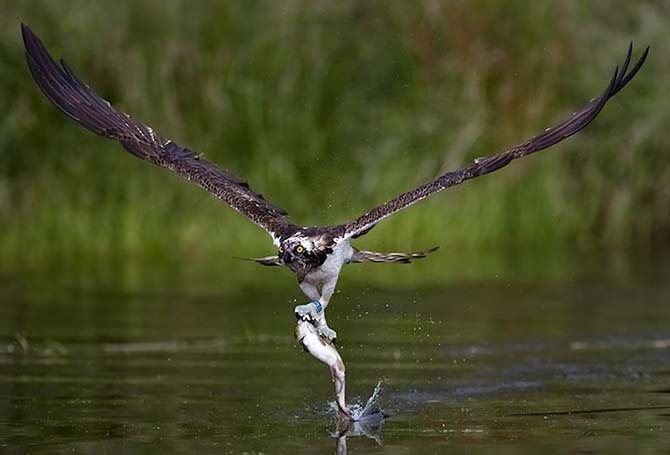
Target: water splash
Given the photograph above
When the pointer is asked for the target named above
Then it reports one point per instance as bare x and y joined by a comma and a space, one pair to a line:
365, 421
360, 412
372, 406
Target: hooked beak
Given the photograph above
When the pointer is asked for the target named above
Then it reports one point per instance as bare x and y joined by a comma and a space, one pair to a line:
287, 257
298, 267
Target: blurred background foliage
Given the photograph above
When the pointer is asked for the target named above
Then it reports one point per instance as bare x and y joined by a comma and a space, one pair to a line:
329, 108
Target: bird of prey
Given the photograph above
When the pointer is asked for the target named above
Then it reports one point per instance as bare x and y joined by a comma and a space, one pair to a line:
315, 254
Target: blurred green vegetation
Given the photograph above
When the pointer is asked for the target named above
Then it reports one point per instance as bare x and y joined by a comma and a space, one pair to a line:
329, 108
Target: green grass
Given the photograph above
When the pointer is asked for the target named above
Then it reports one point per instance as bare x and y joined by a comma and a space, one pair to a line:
328, 109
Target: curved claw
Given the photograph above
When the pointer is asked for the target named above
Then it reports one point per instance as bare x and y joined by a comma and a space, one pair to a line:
326, 332
307, 312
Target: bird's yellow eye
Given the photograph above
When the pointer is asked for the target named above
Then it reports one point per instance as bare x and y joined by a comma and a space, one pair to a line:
281, 250
299, 249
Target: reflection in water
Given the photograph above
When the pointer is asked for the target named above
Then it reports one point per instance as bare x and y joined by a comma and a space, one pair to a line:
367, 421
367, 425
465, 367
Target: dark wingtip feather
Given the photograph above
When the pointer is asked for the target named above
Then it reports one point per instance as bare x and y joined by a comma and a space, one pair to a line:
33, 45
626, 78
581, 120
66, 91
40, 63
626, 62
26, 32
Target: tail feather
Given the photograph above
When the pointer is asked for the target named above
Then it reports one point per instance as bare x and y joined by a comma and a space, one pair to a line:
396, 258
270, 261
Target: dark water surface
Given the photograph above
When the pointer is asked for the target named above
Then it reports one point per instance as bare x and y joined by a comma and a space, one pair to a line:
575, 367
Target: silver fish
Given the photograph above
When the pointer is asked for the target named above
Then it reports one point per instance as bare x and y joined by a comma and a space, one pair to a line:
325, 351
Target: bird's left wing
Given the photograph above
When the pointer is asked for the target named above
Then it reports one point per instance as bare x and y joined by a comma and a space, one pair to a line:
481, 166
76, 100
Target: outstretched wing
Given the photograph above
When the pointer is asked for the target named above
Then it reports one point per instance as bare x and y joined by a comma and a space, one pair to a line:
81, 104
481, 166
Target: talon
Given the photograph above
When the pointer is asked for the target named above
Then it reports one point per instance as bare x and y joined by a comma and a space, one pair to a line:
310, 312
326, 332
302, 317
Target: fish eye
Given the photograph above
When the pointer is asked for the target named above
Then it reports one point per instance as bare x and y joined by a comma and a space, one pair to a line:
299, 249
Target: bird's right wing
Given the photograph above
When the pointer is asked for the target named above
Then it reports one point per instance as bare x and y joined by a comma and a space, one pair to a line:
80, 103
481, 166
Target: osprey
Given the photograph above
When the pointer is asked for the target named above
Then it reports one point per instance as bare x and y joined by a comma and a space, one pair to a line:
315, 254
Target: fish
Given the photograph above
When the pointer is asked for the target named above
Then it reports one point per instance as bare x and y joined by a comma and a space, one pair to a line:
324, 350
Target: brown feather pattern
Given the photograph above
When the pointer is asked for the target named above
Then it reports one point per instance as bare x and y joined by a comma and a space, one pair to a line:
578, 121
80, 103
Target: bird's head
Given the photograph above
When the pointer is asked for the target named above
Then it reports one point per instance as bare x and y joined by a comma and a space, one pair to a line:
301, 255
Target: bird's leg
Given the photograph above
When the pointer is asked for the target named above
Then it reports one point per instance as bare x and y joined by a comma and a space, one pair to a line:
314, 311
327, 291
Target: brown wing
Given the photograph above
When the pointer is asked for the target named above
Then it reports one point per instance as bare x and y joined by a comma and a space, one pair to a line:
81, 104
550, 136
